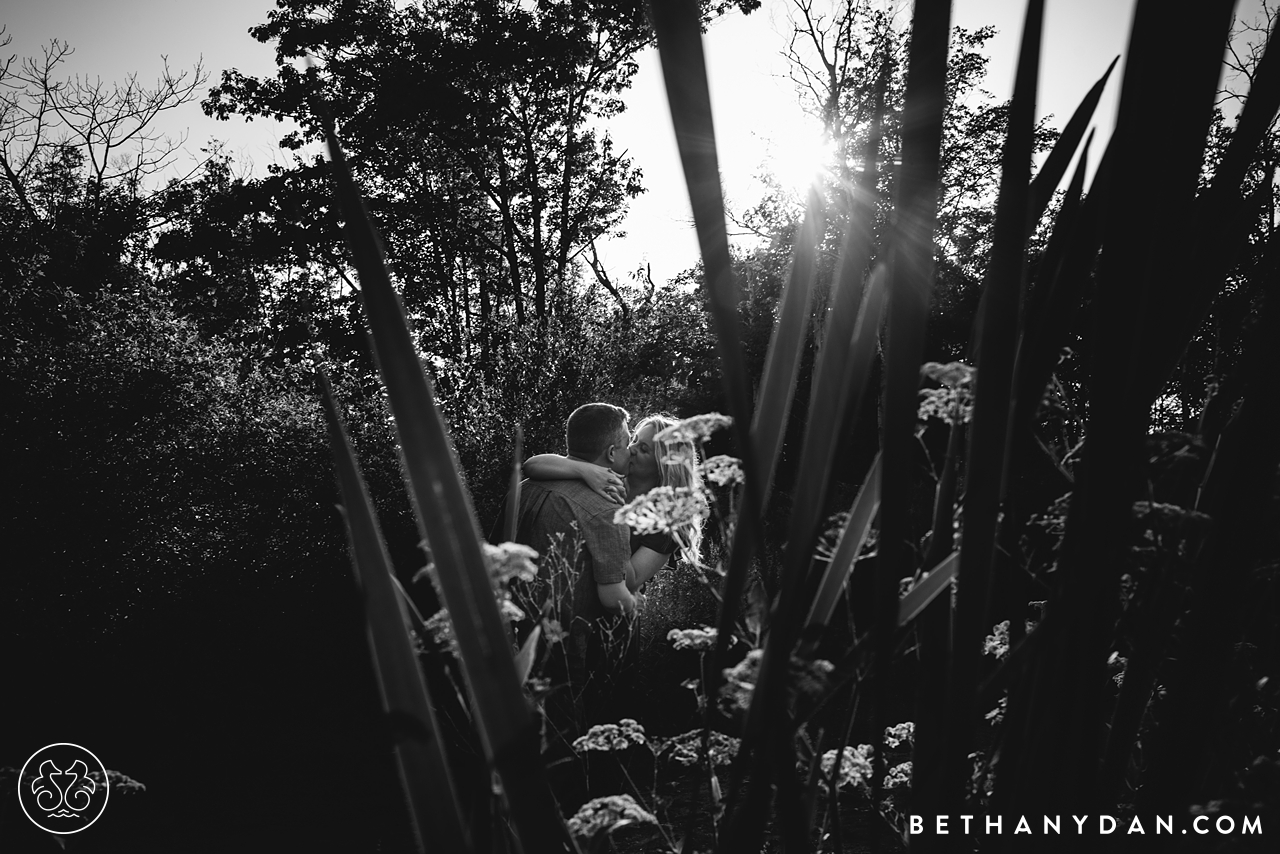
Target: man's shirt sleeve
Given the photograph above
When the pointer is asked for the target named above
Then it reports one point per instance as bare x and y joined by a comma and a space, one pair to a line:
610, 547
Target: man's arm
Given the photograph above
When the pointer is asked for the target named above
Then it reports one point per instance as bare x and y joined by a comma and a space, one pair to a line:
617, 598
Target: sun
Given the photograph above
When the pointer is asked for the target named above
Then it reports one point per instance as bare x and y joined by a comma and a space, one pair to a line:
798, 155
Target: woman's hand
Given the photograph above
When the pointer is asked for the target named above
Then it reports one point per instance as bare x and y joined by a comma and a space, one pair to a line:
601, 480
605, 482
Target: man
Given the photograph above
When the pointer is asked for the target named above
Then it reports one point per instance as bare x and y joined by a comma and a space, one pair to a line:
585, 567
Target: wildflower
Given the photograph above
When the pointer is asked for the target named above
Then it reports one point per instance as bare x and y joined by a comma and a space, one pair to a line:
680, 455
997, 643
855, 765
899, 775
723, 471
511, 560
952, 402
510, 610
996, 715
699, 640
686, 748
441, 628
607, 814
552, 631
895, 735
807, 677
606, 738
810, 677
740, 680
830, 537
663, 509
698, 428
951, 375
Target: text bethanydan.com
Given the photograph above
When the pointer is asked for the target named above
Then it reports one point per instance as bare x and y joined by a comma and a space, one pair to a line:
1083, 825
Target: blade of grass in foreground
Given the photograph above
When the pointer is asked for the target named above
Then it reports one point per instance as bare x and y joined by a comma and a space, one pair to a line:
911, 283
677, 25
424, 768
448, 524
786, 348
996, 349
1055, 165
852, 537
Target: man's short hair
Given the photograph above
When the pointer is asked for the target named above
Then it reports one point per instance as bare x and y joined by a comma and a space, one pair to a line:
592, 428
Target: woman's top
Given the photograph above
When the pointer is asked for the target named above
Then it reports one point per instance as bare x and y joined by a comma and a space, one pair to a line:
663, 544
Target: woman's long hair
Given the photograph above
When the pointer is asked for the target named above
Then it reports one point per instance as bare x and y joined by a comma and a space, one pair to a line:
678, 467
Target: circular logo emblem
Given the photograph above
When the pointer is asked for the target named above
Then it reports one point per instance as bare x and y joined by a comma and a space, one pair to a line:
63, 788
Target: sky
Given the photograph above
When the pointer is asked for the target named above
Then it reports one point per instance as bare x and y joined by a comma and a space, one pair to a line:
755, 106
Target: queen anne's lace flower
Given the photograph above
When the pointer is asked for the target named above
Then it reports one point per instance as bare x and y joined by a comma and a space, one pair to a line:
855, 765
610, 737
510, 610
955, 398
951, 374
698, 428
663, 509
511, 560
686, 748
740, 680
899, 775
699, 640
807, 677
897, 734
441, 628
604, 815
722, 470
997, 643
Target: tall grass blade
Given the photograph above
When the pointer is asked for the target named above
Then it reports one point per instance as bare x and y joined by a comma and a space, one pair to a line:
845, 558
1056, 294
986, 458
919, 597
1170, 78
448, 524
424, 769
911, 282
1055, 165
844, 363
1237, 494
1223, 216
677, 26
786, 348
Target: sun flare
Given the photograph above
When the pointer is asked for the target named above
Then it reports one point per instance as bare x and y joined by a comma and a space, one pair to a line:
798, 155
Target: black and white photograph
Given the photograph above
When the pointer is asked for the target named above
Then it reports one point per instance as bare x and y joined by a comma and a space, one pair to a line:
640, 426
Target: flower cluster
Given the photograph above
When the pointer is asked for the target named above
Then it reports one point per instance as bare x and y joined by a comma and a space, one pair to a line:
663, 509
896, 735
606, 738
698, 428
997, 643
441, 628
604, 815
740, 680
807, 677
723, 471
511, 560
686, 748
952, 402
699, 640
855, 766
899, 775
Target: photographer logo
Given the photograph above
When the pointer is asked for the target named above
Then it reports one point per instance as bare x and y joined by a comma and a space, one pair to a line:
63, 788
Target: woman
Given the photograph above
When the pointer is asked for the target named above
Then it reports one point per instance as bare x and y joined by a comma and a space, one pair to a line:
653, 463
